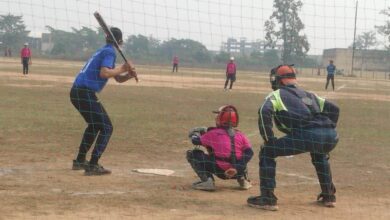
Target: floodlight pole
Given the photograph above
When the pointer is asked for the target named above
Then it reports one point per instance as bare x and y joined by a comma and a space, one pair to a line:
354, 37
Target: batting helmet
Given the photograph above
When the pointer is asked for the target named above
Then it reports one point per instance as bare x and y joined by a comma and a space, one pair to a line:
282, 75
227, 116
117, 34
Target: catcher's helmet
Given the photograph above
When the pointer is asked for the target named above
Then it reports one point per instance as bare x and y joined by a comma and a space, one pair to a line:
117, 34
283, 74
227, 116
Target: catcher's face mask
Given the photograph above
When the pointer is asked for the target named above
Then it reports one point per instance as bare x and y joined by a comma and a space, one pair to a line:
227, 116
280, 73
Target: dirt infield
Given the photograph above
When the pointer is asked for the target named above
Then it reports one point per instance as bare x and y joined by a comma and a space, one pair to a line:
40, 132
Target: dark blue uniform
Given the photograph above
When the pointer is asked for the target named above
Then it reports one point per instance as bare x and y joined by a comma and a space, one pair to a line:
331, 69
84, 99
309, 123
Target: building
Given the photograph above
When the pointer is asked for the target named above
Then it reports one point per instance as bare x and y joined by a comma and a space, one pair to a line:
365, 60
243, 47
47, 43
34, 43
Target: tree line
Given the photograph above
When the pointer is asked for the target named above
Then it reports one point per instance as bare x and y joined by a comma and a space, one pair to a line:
284, 27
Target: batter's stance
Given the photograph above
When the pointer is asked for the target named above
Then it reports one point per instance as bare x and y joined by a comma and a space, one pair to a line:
92, 79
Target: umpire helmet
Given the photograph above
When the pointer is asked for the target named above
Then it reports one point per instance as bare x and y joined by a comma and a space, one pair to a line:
227, 116
282, 75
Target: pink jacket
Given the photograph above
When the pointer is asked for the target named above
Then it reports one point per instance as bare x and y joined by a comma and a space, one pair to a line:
231, 68
219, 141
25, 52
175, 60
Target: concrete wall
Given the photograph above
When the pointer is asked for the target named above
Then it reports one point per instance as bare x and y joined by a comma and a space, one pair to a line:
365, 60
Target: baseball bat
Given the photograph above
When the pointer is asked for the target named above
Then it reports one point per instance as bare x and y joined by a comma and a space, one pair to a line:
108, 32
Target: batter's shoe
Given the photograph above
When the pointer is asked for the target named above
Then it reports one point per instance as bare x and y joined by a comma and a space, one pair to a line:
208, 185
265, 201
244, 183
326, 200
77, 165
96, 170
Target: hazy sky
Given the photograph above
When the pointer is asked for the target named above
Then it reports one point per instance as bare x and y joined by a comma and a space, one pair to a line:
328, 23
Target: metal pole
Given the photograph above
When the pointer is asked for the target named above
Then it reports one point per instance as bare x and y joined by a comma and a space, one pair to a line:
354, 37
284, 57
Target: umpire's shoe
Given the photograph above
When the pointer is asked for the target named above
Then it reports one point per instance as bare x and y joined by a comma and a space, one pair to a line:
79, 165
266, 201
326, 200
96, 170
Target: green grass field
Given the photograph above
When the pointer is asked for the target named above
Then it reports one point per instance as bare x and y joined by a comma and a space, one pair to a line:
40, 133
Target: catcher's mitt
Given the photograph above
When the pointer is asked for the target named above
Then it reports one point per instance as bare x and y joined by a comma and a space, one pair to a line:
198, 131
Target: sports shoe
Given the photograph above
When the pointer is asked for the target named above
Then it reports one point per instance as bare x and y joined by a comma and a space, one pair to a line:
244, 183
206, 185
96, 170
266, 202
326, 200
77, 165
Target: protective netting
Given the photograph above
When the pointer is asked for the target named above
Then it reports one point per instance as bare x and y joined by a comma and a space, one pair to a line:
193, 56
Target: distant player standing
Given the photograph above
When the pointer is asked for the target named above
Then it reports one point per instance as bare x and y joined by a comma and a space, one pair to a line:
331, 69
25, 55
175, 63
92, 79
231, 70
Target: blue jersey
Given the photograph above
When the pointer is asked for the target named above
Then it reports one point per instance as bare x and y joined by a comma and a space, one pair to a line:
89, 76
331, 69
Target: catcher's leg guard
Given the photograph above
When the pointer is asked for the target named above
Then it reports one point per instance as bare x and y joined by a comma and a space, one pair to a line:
198, 161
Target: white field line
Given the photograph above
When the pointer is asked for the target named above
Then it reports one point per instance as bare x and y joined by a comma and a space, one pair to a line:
341, 87
298, 176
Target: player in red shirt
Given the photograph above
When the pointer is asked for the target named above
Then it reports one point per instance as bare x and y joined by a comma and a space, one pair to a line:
25, 55
231, 69
175, 63
228, 151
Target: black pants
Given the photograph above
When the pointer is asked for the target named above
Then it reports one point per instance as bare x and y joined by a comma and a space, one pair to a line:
25, 65
99, 124
175, 66
205, 166
329, 77
232, 78
318, 141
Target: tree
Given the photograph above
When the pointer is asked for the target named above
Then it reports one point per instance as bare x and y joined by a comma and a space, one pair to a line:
189, 50
137, 46
76, 44
12, 31
385, 29
363, 43
284, 25
366, 40
271, 58
90, 39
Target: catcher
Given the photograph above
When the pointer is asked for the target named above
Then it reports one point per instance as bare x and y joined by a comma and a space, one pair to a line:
228, 151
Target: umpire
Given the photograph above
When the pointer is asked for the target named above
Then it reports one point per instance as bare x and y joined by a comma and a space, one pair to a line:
309, 123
